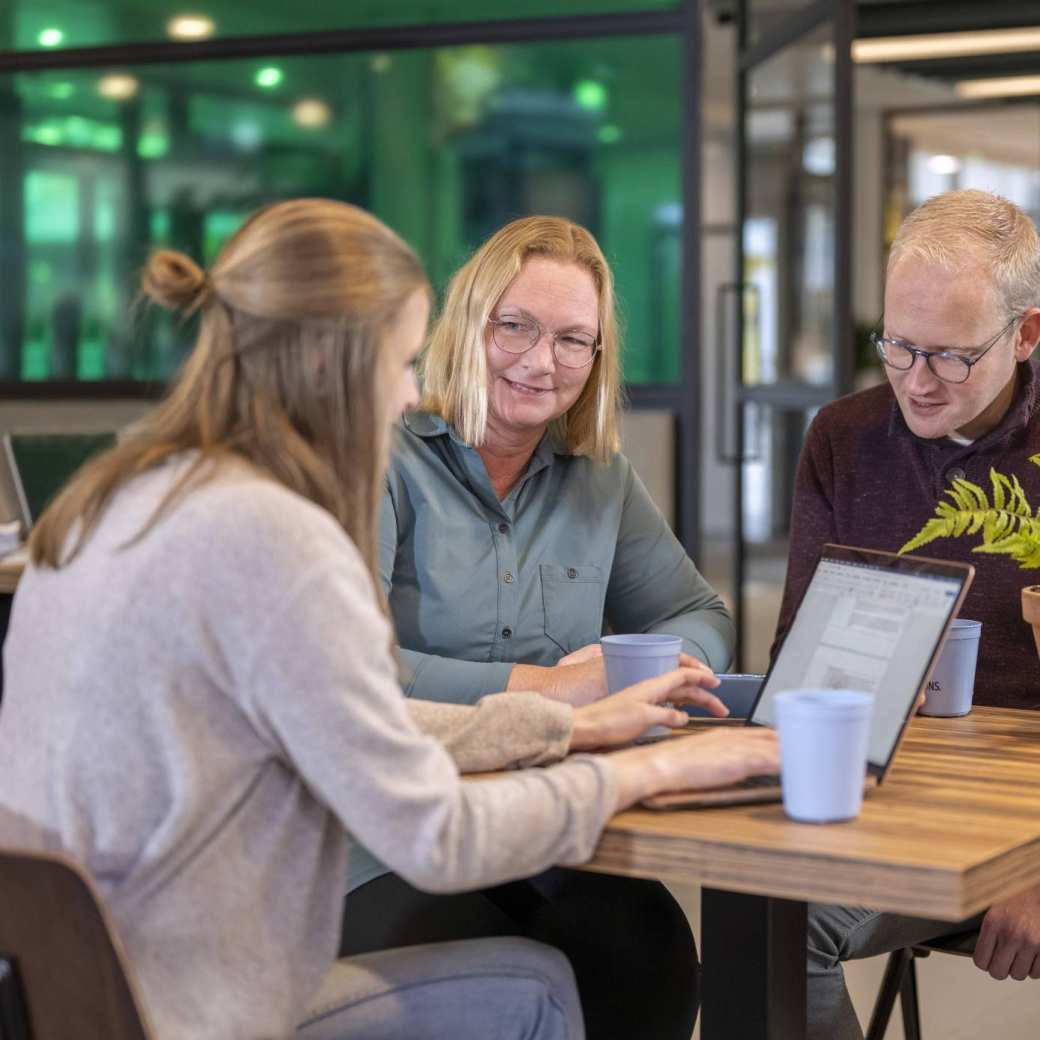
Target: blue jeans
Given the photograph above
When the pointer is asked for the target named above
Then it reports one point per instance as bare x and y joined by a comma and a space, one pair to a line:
846, 933
480, 989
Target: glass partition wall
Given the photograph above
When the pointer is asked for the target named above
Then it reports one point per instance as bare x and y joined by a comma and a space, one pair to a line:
118, 136
444, 144
782, 312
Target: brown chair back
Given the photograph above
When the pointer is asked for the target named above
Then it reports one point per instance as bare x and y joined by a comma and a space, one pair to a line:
70, 976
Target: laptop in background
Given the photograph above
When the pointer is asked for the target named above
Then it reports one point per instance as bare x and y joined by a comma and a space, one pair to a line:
34, 467
870, 621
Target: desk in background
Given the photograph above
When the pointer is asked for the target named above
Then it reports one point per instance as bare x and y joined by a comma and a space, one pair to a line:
11, 568
955, 828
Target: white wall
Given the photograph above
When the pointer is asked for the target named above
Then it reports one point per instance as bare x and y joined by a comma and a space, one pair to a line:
718, 215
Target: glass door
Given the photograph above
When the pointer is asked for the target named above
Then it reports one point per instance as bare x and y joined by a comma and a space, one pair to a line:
787, 342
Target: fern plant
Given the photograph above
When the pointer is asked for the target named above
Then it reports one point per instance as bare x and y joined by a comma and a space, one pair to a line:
1006, 520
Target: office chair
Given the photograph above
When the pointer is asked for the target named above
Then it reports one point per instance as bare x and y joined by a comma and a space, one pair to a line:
62, 970
900, 980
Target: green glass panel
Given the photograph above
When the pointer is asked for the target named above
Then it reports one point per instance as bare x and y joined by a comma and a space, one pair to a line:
445, 145
52, 25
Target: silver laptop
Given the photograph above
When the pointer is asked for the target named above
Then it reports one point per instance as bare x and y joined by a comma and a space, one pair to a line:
13, 503
870, 621
35, 466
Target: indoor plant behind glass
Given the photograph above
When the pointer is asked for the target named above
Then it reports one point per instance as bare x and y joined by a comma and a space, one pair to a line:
1008, 525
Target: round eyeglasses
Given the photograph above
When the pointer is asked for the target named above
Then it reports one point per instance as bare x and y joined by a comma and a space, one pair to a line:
943, 364
517, 335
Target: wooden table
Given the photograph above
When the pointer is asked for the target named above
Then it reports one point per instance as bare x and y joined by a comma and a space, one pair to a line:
954, 828
11, 568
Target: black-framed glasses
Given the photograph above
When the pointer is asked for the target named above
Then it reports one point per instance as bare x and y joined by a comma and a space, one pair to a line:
943, 364
517, 334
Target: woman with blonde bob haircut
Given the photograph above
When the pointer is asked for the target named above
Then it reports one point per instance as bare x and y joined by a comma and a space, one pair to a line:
202, 700
513, 531
455, 376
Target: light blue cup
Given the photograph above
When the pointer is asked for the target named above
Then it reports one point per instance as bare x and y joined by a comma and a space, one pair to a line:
631, 659
824, 737
951, 685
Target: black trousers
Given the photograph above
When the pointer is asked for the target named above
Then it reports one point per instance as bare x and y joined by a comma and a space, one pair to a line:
628, 940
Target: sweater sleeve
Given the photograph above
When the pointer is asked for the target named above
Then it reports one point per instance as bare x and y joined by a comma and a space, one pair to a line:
812, 521
655, 587
330, 709
503, 731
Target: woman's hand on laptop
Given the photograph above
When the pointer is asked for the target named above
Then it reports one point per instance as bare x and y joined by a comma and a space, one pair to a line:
622, 717
716, 759
579, 678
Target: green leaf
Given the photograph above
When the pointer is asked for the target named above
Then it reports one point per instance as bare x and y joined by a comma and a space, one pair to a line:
1000, 482
1009, 526
935, 528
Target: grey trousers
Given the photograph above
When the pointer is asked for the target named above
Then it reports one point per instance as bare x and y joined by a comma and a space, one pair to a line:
845, 933
480, 989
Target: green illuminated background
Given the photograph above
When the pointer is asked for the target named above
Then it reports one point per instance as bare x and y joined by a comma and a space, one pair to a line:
99, 165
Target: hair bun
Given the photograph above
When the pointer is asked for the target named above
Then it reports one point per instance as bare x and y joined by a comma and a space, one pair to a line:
172, 279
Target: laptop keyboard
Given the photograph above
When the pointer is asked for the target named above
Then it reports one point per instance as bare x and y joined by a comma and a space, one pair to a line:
766, 780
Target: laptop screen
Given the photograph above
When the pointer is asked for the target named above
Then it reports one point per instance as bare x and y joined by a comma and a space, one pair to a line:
868, 621
35, 467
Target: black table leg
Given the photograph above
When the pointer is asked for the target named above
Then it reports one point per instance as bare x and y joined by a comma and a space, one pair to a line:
753, 954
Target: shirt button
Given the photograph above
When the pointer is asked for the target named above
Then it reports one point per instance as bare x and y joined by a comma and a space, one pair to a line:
508, 577
955, 474
503, 528
507, 632
571, 573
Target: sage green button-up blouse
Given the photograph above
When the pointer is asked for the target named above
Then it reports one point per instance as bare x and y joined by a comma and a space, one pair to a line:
476, 584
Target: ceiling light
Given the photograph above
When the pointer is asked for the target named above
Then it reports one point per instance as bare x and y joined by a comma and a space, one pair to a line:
311, 113
118, 86
50, 38
269, 77
945, 45
590, 94
944, 165
1004, 86
191, 27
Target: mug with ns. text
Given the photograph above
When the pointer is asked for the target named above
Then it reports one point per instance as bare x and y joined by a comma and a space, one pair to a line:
951, 685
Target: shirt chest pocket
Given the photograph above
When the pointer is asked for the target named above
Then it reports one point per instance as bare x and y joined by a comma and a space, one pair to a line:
572, 598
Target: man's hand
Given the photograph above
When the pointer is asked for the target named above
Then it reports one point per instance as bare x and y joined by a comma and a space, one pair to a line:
1009, 942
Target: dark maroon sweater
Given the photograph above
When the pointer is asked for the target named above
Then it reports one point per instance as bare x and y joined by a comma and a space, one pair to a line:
865, 480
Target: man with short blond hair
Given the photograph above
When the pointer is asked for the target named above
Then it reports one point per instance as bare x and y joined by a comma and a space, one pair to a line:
960, 324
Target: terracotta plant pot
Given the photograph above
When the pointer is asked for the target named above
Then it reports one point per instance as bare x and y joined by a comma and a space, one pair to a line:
1031, 610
